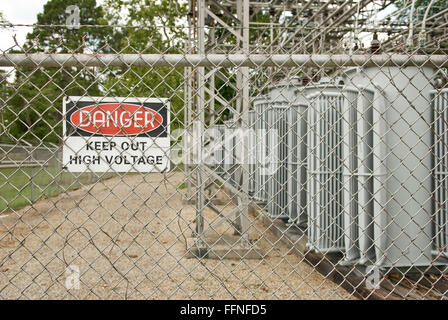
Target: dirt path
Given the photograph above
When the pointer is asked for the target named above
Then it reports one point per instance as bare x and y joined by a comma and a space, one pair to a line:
123, 234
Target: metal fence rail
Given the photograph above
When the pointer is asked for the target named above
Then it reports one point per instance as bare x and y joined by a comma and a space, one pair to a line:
220, 60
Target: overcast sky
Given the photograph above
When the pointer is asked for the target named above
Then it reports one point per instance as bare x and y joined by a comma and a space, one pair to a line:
25, 12
18, 12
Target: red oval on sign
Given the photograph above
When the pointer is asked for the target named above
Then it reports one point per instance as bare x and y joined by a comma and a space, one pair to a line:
116, 119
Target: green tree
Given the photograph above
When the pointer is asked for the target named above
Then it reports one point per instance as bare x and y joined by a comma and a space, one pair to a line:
3, 97
420, 8
161, 29
429, 29
34, 107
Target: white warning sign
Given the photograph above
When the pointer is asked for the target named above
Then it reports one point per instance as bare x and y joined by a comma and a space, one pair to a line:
116, 134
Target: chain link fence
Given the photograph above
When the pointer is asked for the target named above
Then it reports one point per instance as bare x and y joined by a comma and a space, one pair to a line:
286, 176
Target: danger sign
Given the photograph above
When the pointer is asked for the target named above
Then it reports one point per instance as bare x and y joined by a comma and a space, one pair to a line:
116, 134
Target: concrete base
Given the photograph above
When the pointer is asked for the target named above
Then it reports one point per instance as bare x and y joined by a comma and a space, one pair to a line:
222, 247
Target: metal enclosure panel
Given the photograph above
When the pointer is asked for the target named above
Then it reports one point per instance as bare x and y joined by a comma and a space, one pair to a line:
297, 158
350, 173
305, 96
261, 157
358, 175
278, 151
325, 189
439, 100
366, 174
403, 216
292, 163
380, 151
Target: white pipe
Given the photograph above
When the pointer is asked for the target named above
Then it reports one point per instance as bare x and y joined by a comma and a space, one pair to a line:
409, 41
375, 17
422, 34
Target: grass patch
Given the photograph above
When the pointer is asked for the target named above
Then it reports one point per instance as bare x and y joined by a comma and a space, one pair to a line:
17, 185
20, 187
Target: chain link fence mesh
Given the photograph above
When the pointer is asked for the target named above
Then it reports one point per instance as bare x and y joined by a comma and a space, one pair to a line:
306, 177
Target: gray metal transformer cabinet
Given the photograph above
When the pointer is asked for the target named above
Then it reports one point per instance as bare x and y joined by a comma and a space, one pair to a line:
402, 163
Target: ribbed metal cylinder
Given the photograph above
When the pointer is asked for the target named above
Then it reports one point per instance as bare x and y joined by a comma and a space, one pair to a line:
297, 158
278, 128
439, 100
230, 146
261, 125
358, 175
252, 151
325, 189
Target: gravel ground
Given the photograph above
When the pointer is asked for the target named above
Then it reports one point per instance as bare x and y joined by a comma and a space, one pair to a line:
125, 236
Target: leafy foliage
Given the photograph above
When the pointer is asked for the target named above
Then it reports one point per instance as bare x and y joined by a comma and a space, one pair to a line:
420, 9
34, 102
162, 34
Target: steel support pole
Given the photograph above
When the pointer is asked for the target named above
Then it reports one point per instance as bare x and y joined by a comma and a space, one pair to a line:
237, 117
200, 91
212, 81
188, 83
243, 6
